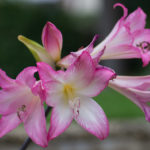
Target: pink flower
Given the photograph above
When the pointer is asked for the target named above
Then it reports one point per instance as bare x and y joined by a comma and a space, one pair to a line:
69, 93
20, 102
52, 42
128, 39
137, 89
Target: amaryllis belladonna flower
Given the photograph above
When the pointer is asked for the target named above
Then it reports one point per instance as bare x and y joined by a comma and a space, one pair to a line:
128, 39
20, 102
69, 93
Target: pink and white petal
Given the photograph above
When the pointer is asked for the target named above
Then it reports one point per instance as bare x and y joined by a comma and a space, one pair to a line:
47, 73
81, 72
13, 98
121, 52
92, 118
54, 93
118, 28
67, 61
120, 44
8, 123
131, 81
99, 83
109, 38
52, 40
27, 76
61, 119
39, 89
5, 81
137, 20
35, 123
141, 36
140, 98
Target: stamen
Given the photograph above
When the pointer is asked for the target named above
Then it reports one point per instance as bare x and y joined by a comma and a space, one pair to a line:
145, 46
21, 111
75, 105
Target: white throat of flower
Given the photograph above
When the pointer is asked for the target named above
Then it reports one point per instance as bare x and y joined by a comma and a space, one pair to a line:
72, 99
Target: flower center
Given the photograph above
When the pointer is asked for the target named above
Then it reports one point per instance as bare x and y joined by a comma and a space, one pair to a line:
68, 92
20, 112
145, 46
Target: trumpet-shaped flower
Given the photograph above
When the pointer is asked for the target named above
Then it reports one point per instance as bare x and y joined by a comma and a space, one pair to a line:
137, 89
52, 42
128, 39
70, 92
20, 102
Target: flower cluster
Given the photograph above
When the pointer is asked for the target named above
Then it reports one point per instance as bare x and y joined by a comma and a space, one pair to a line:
69, 91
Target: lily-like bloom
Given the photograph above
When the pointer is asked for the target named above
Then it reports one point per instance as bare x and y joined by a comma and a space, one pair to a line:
20, 102
137, 89
52, 42
128, 39
69, 93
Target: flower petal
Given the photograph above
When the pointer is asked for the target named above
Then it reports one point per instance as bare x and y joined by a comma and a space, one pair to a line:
13, 98
47, 73
54, 93
27, 76
5, 81
132, 81
137, 20
118, 44
66, 61
100, 81
52, 40
92, 118
39, 53
35, 124
136, 89
8, 123
81, 71
61, 119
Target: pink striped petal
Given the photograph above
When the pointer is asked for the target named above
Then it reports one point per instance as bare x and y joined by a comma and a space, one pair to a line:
13, 98
54, 93
137, 20
47, 73
52, 40
92, 118
136, 89
81, 72
118, 44
61, 119
8, 123
132, 81
35, 123
5, 81
100, 81
66, 61
27, 76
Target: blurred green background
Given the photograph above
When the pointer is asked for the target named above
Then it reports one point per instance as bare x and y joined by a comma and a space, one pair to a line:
78, 24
